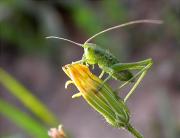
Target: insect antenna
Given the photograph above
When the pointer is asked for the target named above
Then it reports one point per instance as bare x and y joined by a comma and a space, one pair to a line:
125, 24
64, 39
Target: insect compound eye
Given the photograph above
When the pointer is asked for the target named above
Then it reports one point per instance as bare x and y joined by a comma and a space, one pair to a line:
88, 49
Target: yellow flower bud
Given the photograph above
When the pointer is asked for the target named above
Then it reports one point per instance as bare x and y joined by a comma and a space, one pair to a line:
100, 96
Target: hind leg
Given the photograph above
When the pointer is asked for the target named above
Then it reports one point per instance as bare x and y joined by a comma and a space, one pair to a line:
143, 66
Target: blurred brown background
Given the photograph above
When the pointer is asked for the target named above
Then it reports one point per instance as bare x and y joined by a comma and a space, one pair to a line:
36, 62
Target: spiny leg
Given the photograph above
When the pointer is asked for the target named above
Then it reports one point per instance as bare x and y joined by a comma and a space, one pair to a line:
141, 65
127, 66
143, 73
124, 66
131, 66
135, 76
135, 86
137, 82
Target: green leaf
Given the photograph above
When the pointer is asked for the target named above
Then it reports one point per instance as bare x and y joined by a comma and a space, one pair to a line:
27, 98
22, 120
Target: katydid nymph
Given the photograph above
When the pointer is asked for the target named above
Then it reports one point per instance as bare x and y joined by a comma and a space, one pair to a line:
108, 63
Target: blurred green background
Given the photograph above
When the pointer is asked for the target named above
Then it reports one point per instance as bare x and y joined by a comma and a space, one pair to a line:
32, 94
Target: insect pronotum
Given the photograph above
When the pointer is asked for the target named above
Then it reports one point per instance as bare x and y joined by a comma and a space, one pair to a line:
108, 63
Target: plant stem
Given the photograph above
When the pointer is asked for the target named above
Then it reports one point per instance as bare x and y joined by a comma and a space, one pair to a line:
133, 131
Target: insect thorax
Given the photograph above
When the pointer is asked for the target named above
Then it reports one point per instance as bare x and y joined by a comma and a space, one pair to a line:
97, 55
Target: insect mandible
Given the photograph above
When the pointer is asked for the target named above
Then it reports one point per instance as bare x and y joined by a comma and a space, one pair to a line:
108, 63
